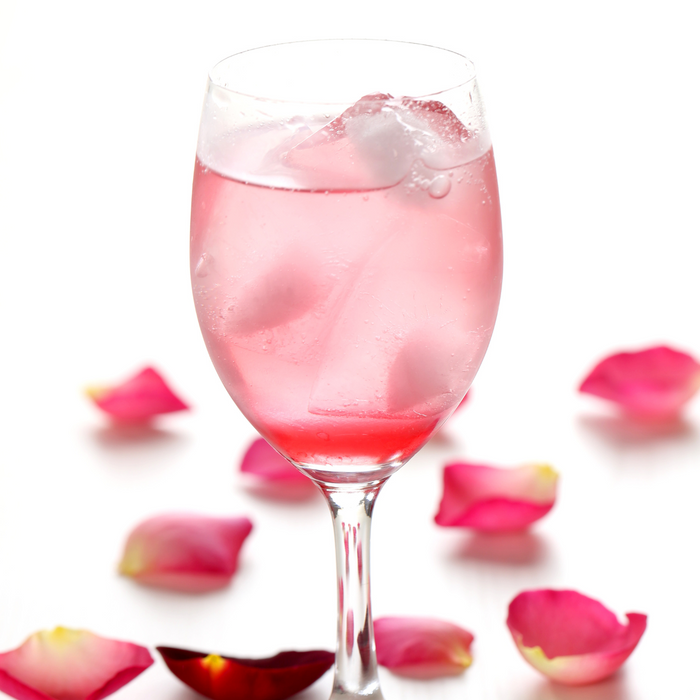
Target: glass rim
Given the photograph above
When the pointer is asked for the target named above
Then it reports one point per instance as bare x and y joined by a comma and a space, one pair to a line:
466, 63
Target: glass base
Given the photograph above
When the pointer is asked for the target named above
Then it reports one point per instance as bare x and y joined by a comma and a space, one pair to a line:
366, 477
340, 694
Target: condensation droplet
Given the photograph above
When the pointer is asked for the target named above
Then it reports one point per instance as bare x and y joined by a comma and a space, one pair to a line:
203, 264
439, 187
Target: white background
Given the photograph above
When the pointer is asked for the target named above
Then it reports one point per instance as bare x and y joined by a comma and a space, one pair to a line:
595, 118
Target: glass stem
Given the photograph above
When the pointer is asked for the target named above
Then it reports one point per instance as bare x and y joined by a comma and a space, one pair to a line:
355, 660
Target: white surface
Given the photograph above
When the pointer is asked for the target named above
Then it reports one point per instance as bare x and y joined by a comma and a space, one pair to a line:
594, 112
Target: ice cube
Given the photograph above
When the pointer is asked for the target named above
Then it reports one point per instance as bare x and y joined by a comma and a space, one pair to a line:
390, 325
281, 295
426, 371
374, 143
430, 372
365, 147
440, 139
335, 130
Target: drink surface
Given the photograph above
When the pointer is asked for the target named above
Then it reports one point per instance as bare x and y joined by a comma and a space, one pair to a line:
347, 321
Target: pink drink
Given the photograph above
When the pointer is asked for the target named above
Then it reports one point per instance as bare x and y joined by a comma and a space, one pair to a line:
347, 302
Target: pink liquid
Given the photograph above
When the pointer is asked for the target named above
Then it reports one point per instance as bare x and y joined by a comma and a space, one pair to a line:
348, 325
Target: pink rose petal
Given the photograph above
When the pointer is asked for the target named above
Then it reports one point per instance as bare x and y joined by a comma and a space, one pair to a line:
654, 383
418, 647
571, 638
271, 475
490, 499
138, 399
66, 664
191, 553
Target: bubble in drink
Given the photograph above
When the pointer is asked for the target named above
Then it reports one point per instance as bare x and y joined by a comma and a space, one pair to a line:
439, 187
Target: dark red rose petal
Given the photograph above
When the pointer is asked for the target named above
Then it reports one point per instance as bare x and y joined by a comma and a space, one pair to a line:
227, 678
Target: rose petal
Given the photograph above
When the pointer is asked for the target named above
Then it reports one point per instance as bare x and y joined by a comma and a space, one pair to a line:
271, 475
571, 638
66, 664
229, 678
655, 382
190, 553
490, 499
422, 647
138, 399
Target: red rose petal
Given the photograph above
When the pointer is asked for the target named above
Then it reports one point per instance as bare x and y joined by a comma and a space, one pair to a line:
422, 647
191, 553
490, 499
66, 664
138, 399
571, 638
271, 475
228, 678
656, 382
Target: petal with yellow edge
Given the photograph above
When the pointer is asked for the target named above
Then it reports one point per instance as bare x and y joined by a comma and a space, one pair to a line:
418, 647
492, 499
185, 552
229, 678
268, 474
138, 399
571, 638
67, 664
653, 383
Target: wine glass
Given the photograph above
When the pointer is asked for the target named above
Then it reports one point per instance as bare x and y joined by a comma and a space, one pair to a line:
346, 265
